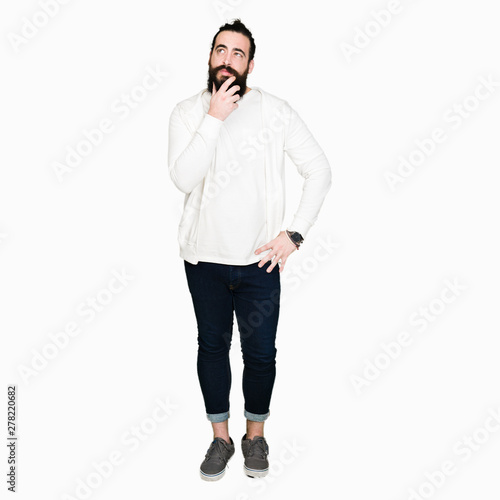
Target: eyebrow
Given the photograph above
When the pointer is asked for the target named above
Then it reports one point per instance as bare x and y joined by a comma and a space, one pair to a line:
234, 50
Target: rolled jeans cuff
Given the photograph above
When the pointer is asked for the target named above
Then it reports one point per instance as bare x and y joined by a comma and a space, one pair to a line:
218, 417
255, 417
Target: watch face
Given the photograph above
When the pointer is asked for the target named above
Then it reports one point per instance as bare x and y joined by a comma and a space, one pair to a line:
296, 237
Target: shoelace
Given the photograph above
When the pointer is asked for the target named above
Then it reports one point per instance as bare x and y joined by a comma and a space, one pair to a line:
257, 443
218, 448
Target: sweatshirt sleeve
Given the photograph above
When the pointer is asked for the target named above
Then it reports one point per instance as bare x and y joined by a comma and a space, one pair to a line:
190, 155
312, 164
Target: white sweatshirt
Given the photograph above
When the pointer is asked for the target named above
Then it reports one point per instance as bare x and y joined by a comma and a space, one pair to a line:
232, 174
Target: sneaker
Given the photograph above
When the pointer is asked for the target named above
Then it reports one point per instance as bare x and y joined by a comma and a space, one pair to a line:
216, 459
255, 452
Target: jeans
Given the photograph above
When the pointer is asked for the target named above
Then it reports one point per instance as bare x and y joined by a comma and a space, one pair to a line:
218, 290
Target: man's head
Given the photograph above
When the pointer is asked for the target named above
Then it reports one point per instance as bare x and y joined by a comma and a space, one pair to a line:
232, 53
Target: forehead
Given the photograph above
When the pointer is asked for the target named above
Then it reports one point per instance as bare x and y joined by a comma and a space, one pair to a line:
233, 40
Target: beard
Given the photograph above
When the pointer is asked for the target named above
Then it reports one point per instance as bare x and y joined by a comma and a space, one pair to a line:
241, 79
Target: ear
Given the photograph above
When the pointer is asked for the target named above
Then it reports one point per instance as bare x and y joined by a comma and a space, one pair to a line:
209, 57
251, 64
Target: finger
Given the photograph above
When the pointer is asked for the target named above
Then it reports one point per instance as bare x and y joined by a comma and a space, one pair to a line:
264, 260
233, 89
226, 84
271, 267
213, 89
277, 258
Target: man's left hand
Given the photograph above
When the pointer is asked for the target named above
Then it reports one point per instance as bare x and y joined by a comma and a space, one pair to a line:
281, 247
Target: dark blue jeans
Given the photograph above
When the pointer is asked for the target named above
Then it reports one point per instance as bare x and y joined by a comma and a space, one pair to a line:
218, 291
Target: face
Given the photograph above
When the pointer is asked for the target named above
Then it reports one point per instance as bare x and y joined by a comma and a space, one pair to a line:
230, 58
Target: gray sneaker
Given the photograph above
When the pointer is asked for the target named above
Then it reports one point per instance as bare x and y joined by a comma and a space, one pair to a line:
255, 452
216, 459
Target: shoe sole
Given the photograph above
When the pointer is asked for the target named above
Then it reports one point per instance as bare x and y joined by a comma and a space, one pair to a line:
212, 477
255, 472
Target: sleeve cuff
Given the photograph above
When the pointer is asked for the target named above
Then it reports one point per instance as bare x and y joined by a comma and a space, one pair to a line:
210, 127
300, 225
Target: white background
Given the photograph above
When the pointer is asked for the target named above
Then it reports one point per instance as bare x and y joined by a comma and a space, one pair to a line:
393, 252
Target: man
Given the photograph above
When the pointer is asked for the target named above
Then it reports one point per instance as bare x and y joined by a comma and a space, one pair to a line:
226, 153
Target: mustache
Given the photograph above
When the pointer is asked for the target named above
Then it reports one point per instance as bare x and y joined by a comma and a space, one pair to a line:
240, 78
227, 68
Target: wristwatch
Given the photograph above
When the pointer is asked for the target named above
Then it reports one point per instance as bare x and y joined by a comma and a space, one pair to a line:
295, 238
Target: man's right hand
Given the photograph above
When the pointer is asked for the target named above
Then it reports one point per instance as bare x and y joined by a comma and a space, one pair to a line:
223, 101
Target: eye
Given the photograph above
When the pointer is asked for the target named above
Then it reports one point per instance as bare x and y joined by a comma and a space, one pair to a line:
220, 50
238, 54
